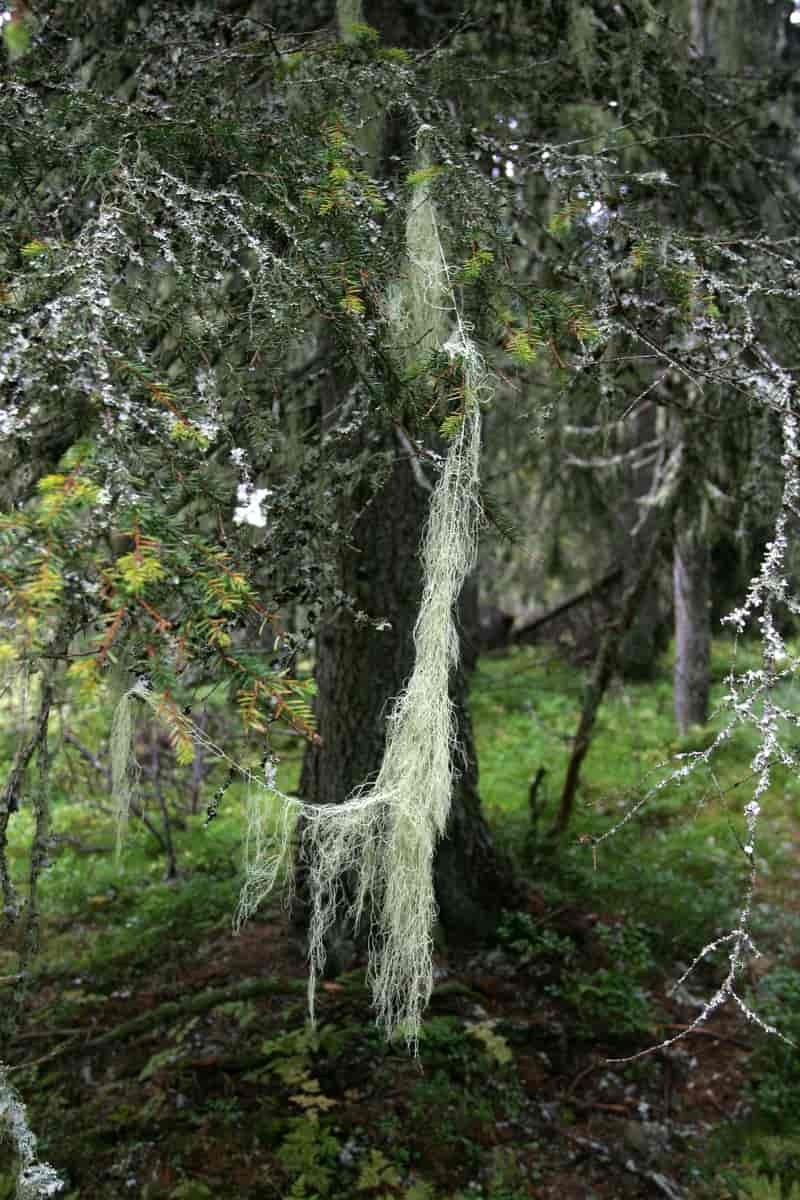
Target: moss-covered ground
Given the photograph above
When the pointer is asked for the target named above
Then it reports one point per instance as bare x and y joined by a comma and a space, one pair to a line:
163, 1058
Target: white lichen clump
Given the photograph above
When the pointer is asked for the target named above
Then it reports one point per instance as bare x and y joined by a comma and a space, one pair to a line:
35, 1179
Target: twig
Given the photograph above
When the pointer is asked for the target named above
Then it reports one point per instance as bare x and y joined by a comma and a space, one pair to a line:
464, 22
709, 1033
416, 467
582, 1075
59, 1050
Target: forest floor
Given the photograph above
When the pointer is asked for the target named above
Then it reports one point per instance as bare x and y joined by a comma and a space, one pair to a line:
162, 1057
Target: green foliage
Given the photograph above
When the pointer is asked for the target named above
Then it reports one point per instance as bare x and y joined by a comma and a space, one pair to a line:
220, 234
520, 345
495, 1044
472, 269
764, 1187
775, 1065
137, 571
291, 1060
607, 1002
451, 426
561, 221
362, 34
674, 869
34, 248
420, 1189
191, 1189
308, 1155
628, 946
376, 1171
531, 941
507, 1180
769, 1169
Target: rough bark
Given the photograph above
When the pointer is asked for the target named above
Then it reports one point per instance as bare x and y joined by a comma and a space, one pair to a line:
691, 580
647, 633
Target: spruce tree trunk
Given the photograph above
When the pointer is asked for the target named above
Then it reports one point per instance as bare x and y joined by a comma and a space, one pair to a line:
359, 671
691, 580
648, 633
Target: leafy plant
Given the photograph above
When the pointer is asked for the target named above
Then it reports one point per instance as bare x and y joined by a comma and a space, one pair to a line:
495, 1044
308, 1155
532, 942
611, 998
764, 1187
607, 1001
191, 1189
775, 1065
376, 1171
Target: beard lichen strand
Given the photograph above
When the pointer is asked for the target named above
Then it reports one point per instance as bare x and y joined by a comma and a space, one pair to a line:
384, 836
386, 833
124, 767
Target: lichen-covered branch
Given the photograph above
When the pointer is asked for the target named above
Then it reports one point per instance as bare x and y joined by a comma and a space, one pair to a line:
35, 1180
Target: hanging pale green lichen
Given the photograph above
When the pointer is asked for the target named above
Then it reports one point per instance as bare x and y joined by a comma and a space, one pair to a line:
124, 768
419, 303
384, 836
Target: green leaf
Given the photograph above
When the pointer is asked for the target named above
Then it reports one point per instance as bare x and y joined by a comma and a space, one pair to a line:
377, 1170
164, 1058
520, 346
494, 1043
451, 426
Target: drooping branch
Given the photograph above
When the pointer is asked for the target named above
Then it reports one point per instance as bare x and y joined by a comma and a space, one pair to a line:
528, 631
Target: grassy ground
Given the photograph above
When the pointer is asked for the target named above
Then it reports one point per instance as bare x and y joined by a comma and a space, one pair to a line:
212, 1084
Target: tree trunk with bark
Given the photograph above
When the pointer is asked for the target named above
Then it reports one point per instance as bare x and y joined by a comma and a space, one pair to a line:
692, 596
359, 671
647, 634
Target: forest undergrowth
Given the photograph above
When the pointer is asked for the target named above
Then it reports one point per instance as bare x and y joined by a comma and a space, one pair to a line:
161, 1057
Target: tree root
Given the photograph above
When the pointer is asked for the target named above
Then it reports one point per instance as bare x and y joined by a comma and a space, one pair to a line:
245, 989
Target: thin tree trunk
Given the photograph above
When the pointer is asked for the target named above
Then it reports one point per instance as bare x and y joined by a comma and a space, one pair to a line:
647, 633
608, 655
691, 580
41, 844
10, 797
